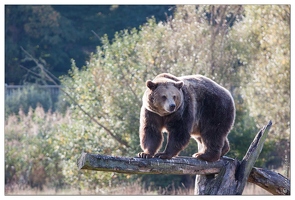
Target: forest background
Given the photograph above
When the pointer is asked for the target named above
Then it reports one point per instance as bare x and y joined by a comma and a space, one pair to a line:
104, 54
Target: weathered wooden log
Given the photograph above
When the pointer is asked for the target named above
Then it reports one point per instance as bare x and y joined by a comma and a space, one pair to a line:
221, 177
268, 180
273, 182
177, 165
251, 156
235, 176
223, 183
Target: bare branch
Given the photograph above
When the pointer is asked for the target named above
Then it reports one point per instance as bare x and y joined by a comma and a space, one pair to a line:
96, 34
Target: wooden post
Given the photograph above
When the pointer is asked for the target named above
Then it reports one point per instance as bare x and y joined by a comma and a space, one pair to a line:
226, 176
233, 176
224, 183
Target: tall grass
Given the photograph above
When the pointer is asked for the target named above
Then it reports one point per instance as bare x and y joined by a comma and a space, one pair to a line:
31, 157
131, 189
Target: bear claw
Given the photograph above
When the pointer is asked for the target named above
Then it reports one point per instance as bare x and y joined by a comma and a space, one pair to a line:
144, 155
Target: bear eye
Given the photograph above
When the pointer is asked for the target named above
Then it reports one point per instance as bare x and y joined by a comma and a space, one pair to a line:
164, 97
174, 97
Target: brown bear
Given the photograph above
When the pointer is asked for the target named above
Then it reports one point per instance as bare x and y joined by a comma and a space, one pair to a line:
189, 106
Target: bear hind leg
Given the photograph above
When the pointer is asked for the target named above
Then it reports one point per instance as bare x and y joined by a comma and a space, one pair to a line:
212, 150
209, 156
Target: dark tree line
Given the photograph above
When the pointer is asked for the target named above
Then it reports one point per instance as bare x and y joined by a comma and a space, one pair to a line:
59, 33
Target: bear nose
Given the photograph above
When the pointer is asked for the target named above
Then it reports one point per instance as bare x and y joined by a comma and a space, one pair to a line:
171, 107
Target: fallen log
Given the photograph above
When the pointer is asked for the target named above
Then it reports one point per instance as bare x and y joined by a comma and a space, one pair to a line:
225, 176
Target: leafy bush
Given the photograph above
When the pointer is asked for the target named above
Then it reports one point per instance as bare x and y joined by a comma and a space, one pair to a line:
61, 104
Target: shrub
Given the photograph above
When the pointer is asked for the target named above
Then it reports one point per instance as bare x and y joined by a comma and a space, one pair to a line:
31, 156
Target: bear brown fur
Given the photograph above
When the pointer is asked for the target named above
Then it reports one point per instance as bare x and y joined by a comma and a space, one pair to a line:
184, 107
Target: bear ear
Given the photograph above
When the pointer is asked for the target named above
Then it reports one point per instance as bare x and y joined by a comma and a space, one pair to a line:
179, 84
151, 85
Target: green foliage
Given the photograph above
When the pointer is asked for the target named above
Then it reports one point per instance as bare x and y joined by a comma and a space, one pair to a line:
71, 140
242, 134
26, 97
267, 75
61, 105
266, 79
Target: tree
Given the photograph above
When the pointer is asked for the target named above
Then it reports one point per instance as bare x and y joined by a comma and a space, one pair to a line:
58, 33
267, 75
41, 31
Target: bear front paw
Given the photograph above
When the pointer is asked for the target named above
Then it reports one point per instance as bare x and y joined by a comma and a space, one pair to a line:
163, 156
144, 155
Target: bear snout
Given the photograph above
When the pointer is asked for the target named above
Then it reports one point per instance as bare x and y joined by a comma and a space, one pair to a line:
172, 107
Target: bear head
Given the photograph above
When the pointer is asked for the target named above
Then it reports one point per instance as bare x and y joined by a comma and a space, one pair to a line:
163, 97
